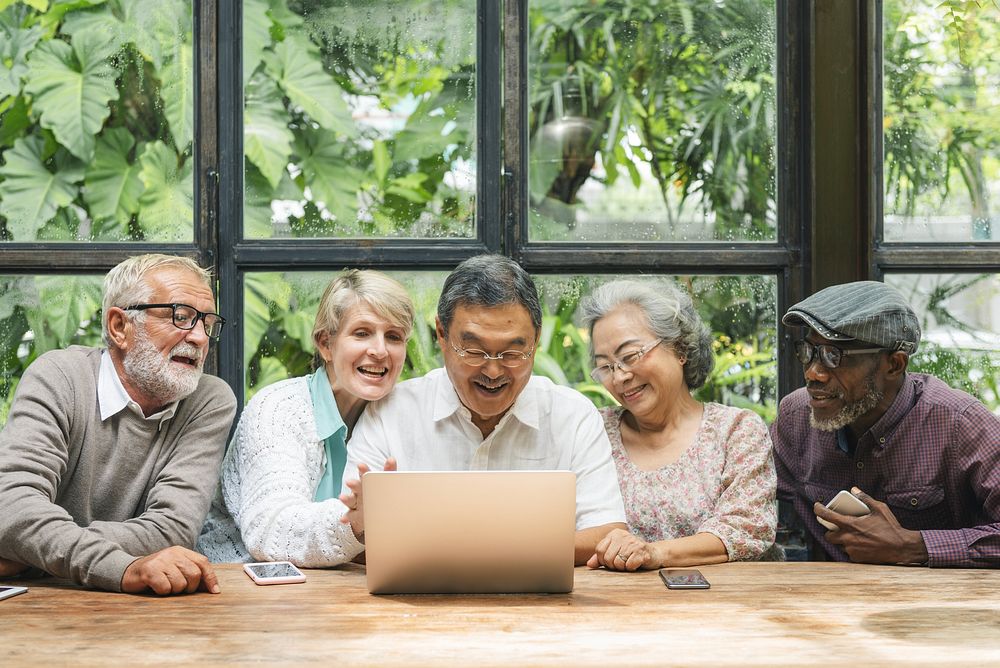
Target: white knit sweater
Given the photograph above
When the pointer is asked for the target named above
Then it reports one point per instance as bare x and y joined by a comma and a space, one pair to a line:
264, 508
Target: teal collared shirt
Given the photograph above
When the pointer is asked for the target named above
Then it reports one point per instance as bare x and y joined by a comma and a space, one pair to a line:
331, 428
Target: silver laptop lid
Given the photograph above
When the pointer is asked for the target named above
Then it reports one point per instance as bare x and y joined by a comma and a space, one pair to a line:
469, 531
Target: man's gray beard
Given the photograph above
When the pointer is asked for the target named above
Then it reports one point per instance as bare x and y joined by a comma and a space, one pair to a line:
155, 376
852, 411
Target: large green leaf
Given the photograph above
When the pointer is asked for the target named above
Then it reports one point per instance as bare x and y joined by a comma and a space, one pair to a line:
148, 24
177, 92
256, 312
257, 197
14, 48
256, 35
30, 194
330, 176
425, 136
72, 86
166, 207
267, 141
64, 303
50, 20
112, 186
16, 121
295, 64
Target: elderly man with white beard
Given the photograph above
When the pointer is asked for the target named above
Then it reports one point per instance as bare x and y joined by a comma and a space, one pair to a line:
110, 456
924, 457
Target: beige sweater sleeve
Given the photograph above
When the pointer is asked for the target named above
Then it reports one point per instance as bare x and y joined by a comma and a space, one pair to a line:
53, 411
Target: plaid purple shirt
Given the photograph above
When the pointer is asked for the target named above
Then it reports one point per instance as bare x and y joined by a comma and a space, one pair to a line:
934, 458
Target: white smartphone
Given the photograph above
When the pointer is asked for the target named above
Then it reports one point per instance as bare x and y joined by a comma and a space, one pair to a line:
8, 591
274, 572
845, 503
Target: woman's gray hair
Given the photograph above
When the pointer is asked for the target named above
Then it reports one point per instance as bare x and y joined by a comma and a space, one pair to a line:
126, 284
488, 280
669, 312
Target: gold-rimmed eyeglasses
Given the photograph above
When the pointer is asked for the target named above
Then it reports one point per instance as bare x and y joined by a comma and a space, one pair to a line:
624, 363
508, 358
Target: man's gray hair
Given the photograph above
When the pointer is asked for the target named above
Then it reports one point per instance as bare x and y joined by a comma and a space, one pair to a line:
488, 280
669, 312
126, 284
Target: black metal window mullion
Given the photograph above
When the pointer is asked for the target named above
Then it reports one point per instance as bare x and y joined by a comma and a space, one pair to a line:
229, 93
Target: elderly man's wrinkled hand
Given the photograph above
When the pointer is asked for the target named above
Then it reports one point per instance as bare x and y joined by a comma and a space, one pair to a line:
876, 538
621, 551
353, 499
10, 568
174, 570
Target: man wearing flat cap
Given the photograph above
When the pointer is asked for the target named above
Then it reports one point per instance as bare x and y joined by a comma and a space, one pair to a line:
924, 457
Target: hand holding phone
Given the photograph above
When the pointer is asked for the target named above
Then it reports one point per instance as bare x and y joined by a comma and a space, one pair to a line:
683, 579
844, 503
8, 591
274, 572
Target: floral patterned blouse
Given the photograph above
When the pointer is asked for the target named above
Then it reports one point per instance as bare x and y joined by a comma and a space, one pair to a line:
723, 484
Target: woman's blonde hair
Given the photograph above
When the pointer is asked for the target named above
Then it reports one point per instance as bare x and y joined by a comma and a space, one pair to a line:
384, 295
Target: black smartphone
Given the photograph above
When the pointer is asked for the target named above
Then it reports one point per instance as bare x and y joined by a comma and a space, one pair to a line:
683, 579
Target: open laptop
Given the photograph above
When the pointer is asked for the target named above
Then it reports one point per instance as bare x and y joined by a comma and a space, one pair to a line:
444, 532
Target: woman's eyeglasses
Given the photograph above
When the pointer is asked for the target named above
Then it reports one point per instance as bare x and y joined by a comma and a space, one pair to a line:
624, 363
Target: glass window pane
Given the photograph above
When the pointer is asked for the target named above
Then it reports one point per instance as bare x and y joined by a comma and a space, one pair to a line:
97, 121
941, 135
960, 318
42, 313
740, 310
359, 118
652, 121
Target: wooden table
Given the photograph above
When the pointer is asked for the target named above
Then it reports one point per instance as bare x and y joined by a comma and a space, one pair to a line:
755, 614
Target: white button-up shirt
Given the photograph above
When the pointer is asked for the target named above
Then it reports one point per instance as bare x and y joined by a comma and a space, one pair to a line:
423, 424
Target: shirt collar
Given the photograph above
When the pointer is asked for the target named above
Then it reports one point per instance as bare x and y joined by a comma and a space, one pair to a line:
113, 398
447, 403
890, 419
325, 411
901, 405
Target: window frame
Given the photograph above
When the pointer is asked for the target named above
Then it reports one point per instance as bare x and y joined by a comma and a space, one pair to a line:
501, 211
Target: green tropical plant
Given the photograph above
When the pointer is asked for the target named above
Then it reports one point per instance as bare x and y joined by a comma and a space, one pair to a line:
684, 88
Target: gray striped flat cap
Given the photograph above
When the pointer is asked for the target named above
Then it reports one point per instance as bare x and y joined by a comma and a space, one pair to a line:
866, 311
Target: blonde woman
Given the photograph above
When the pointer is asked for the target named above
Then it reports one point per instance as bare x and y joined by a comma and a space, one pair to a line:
277, 498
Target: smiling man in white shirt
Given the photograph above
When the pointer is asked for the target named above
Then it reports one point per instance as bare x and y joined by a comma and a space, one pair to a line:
485, 410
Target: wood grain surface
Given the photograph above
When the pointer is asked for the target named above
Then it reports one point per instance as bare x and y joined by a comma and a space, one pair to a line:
755, 614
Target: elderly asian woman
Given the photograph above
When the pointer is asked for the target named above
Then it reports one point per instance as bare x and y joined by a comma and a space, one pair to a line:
697, 479
281, 477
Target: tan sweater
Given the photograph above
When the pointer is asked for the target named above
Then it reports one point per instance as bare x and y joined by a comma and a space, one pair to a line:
81, 498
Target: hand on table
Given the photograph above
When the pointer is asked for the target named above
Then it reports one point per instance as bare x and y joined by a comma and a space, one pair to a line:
876, 538
621, 551
174, 570
10, 568
355, 515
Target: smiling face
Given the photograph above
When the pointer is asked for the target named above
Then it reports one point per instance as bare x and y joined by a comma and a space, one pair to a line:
851, 394
365, 356
490, 390
161, 362
655, 381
